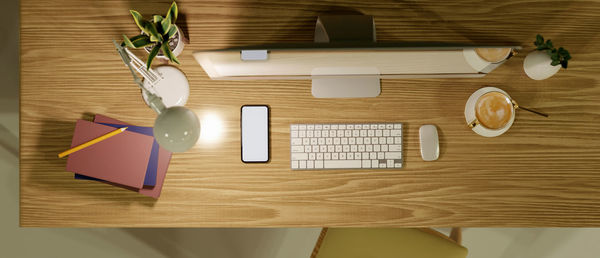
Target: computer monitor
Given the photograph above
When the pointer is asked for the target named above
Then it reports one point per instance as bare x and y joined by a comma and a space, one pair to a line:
352, 68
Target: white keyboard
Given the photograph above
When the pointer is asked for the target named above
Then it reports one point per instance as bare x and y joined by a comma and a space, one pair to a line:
346, 146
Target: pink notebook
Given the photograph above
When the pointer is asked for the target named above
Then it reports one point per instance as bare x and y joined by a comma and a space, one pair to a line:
164, 157
120, 159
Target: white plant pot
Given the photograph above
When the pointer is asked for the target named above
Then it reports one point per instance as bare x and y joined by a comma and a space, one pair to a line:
538, 66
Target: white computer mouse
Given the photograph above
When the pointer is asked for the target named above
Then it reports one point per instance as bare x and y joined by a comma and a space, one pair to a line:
430, 147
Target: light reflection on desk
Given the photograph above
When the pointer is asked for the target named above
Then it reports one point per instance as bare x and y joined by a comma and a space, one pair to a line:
211, 129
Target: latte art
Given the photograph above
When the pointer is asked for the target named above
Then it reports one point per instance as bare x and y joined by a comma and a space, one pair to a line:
493, 110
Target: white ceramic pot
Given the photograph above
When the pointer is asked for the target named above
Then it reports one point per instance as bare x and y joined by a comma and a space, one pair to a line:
538, 66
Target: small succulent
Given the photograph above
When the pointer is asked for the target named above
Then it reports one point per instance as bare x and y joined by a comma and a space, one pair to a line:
156, 32
559, 56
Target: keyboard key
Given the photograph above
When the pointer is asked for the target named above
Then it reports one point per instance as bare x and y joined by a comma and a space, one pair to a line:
295, 164
301, 127
377, 148
350, 127
336, 141
303, 164
378, 133
357, 155
397, 126
330, 148
389, 126
334, 156
386, 133
325, 133
310, 127
358, 127
366, 164
342, 155
321, 141
384, 148
390, 163
307, 149
297, 148
374, 140
294, 134
305, 141
373, 126
301, 134
338, 148
351, 140
296, 141
318, 127
349, 155
317, 134
344, 141
313, 141
398, 165
294, 127
395, 148
341, 127
326, 127
353, 148
346, 148
359, 140
395, 132
309, 134
382, 165
381, 126
374, 163
370, 133
393, 155
361, 148
332, 133
367, 140
312, 156
299, 156
319, 156
390, 140
315, 148
334, 127
327, 156
318, 164
372, 155
380, 155
382, 140
322, 148
398, 140
310, 164
369, 148
363, 133
355, 133
342, 164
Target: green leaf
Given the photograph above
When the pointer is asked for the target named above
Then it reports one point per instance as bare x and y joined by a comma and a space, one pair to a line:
152, 55
167, 52
127, 42
153, 32
539, 40
172, 31
139, 20
141, 41
166, 24
564, 64
555, 62
158, 18
172, 13
549, 44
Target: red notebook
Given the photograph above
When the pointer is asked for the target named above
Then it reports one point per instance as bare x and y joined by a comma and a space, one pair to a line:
164, 157
121, 159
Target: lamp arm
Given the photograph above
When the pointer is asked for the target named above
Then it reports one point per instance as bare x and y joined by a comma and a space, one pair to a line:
154, 101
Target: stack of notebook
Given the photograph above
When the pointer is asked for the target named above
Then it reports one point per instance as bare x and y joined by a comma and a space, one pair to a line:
132, 160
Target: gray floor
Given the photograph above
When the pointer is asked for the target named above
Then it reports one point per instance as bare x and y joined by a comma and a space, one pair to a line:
260, 243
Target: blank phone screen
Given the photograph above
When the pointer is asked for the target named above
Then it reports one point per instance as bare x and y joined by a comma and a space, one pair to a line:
255, 134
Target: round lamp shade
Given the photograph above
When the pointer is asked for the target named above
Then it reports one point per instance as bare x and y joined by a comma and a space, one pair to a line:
177, 129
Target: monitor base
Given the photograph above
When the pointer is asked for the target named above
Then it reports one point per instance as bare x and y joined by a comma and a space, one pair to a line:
346, 86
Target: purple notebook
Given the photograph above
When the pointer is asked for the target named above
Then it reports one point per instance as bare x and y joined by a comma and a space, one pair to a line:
150, 179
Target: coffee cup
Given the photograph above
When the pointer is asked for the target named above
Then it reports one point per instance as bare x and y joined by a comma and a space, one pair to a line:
490, 111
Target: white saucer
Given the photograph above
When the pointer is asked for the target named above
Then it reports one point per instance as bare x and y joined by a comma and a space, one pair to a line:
470, 113
174, 88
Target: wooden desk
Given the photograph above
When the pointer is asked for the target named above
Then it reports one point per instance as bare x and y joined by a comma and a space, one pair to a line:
543, 172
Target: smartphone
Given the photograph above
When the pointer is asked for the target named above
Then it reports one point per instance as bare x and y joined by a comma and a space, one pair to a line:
255, 133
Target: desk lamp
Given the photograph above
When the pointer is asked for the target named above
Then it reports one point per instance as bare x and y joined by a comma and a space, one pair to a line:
176, 128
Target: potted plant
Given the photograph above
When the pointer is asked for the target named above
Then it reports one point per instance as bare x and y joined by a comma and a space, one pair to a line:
160, 36
545, 60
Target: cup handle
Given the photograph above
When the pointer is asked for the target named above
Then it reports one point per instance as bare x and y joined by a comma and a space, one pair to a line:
473, 123
514, 103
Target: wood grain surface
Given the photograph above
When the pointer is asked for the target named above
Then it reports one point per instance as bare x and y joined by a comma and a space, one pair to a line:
542, 172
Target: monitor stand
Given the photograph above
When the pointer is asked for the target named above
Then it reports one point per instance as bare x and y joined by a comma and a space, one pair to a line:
345, 82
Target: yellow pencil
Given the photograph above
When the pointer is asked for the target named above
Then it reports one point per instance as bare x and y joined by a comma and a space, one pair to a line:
92, 142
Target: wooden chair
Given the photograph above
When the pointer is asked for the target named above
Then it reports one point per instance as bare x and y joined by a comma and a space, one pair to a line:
388, 242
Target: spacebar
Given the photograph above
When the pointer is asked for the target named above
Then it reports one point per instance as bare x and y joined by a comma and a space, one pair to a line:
342, 164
